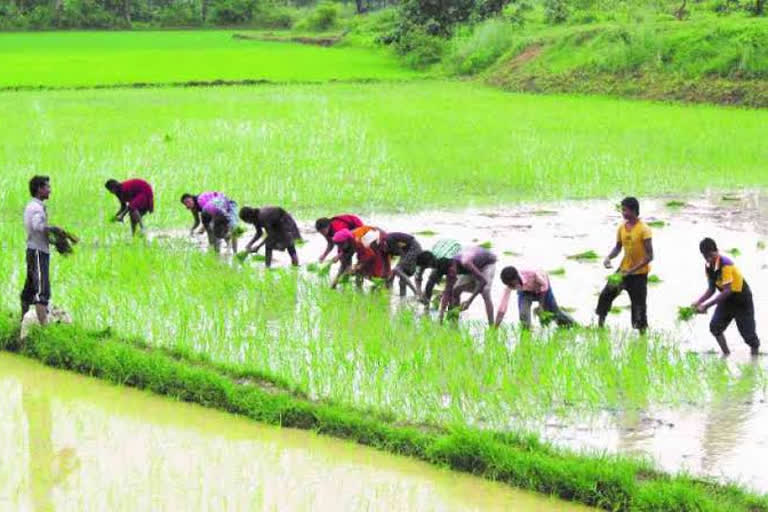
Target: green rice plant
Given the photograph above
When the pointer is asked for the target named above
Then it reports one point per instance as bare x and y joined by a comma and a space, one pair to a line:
426, 232
589, 255
485, 245
616, 310
615, 279
511, 253
674, 204
734, 251
657, 223
760, 245
654, 279
685, 313
560, 271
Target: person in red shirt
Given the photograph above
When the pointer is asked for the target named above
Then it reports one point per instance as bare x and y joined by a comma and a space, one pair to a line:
136, 200
329, 227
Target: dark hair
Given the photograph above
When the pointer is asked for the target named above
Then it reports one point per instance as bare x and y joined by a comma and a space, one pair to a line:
249, 215
426, 259
36, 183
112, 185
509, 275
707, 246
632, 203
322, 223
442, 264
186, 196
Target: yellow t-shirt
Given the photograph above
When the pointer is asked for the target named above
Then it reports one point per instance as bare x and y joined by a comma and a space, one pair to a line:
633, 242
725, 272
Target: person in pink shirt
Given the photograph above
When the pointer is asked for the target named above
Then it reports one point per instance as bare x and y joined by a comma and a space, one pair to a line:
532, 286
136, 200
329, 227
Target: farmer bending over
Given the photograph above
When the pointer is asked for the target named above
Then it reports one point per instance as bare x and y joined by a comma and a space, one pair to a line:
218, 215
471, 270
329, 227
136, 200
282, 231
734, 302
532, 286
634, 237
407, 249
445, 248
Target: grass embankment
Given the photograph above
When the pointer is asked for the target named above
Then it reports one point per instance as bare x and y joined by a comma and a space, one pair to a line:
607, 482
88, 59
364, 147
710, 60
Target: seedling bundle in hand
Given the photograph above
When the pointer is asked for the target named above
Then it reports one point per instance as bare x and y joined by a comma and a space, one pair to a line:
685, 313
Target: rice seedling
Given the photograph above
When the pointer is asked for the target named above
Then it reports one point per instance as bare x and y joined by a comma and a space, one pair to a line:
685, 313
760, 245
654, 279
589, 255
615, 279
560, 271
426, 232
656, 223
734, 251
486, 245
676, 204
511, 253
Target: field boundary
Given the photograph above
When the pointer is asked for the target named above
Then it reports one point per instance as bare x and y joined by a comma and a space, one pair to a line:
247, 82
604, 481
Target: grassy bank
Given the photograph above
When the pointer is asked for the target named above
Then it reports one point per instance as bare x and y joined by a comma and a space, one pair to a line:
83, 59
606, 482
365, 147
709, 59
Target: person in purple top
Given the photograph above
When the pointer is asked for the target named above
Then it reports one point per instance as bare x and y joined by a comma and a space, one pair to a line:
218, 215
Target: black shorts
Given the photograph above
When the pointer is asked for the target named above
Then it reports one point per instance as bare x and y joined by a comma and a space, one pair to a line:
37, 287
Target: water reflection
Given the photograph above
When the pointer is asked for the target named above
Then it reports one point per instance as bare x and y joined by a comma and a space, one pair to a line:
71, 443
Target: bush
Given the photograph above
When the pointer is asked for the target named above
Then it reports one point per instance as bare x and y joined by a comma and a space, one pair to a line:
321, 18
177, 16
555, 11
475, 52
277, 18
232, 12
419, 48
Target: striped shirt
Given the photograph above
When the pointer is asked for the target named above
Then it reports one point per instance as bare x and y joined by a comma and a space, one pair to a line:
446, 248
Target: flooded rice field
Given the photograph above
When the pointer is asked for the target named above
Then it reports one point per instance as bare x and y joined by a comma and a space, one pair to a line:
727, 438
69, 442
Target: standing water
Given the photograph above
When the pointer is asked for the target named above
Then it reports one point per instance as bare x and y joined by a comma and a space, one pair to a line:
68, 442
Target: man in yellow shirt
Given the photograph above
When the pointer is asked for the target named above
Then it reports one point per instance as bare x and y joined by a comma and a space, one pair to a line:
734, 302
634, 238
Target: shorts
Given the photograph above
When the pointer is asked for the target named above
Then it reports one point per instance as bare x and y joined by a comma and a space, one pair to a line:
37, 287
470, 281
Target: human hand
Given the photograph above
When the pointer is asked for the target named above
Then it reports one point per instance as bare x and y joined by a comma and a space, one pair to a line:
607, 263
701, 309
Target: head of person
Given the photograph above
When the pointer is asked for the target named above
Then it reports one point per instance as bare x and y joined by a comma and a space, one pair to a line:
426, 259
511, 277
40, 187
630, 208
323, 225
220, 226
113, 186
708, 249
249, 215
189, 201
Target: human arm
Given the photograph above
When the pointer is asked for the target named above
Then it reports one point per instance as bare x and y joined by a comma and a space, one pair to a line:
253, 240
482, 282
503, 306
614, 252
196, 217
328, 250
446, 298
719, 298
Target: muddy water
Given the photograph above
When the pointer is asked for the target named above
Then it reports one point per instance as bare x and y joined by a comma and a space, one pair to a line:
73, 443
727, 439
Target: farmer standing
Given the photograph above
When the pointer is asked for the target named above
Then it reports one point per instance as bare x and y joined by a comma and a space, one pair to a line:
37, 287
734, 302
136, 200
634, 237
